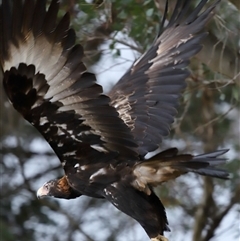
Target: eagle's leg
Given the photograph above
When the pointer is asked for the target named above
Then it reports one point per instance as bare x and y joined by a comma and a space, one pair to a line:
146, 209
159, 238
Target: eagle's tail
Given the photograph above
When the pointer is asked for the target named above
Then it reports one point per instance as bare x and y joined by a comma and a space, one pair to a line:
206, 164
169, 165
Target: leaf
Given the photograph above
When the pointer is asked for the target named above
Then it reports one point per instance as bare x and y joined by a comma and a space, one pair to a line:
149, 12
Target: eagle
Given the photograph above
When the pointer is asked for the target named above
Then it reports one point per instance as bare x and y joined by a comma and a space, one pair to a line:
102, 139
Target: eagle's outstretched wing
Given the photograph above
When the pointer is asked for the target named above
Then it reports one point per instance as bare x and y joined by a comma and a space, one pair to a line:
146, 97
46, 81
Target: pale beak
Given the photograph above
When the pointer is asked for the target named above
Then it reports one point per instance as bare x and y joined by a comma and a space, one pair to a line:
42, 192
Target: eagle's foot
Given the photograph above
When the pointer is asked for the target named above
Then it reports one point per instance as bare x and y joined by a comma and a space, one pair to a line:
159, 238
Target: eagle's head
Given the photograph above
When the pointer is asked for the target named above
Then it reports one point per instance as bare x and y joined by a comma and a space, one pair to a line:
58, 188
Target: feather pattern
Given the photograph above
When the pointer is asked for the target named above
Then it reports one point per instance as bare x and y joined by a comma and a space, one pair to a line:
146, 97
46, 81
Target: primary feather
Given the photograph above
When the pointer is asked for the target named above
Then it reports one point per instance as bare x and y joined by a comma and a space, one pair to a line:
146, 97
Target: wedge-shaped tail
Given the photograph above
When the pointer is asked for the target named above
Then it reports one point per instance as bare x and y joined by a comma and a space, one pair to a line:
168, 165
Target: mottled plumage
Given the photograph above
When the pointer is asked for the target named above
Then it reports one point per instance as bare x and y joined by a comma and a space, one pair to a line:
101, 140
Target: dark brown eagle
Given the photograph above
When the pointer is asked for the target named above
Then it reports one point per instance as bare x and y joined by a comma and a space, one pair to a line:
101, 140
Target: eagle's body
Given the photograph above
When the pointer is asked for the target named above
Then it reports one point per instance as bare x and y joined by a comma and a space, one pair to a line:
101, 140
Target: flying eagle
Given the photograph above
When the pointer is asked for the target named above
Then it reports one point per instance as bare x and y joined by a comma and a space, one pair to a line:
101, 140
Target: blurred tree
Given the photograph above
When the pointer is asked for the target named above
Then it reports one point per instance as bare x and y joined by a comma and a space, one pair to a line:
199, 209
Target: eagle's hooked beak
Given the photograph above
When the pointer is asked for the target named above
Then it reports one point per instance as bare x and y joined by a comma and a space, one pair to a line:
42, 192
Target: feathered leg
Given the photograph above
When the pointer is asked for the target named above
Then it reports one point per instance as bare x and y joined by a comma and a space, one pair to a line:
146, 209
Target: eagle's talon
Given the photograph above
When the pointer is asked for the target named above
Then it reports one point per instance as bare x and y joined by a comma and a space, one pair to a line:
159, 238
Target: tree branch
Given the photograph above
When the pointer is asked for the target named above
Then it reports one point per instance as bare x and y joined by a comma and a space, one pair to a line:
207, 207
215, 53
218, 57
75, 224
216, 220
203, 211
16, 189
